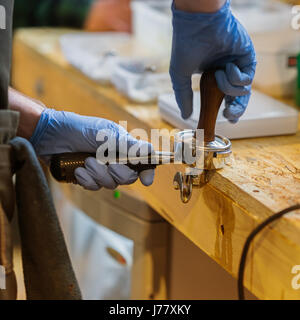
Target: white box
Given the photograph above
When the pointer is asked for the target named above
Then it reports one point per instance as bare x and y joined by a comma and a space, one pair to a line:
264, 116
274, 75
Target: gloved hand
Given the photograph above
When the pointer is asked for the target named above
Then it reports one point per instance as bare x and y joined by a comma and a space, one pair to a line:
61, 132
202, 41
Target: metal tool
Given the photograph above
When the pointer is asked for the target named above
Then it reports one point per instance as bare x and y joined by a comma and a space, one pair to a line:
63, 166
202, 153
212, 151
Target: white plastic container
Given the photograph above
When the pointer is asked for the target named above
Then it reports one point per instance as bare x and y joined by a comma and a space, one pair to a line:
142, 80
259, 16
275, 75
152, 24
268, 23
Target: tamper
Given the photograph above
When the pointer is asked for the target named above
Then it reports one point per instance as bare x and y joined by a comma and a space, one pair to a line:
211, 151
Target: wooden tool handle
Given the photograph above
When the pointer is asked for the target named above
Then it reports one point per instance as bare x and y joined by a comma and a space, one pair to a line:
211, 100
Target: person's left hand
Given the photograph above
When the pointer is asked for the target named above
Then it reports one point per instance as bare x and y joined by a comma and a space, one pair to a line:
62, 132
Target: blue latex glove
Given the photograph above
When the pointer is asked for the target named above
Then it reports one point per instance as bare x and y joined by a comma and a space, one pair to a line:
202, 41
61, 132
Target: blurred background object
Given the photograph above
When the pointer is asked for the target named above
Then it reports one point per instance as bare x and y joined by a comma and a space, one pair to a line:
153, 18
142, 80
109, 15
94, 15
94, 54
291, 1
255, 2
67, 13
298, 82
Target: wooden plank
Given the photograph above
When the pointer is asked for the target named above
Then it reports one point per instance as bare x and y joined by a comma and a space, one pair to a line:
264, 179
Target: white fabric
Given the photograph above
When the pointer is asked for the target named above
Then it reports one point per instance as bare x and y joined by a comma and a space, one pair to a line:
94, 54
117, 58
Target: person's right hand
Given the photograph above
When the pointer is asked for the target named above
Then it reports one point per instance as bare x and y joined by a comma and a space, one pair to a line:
63, 132
203, 41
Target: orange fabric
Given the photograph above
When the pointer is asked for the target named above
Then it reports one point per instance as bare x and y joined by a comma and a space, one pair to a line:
109, 15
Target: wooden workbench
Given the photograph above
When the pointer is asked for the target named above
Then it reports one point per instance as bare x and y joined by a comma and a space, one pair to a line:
264, 179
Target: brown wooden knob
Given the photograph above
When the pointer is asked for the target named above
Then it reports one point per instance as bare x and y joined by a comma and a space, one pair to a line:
211, 100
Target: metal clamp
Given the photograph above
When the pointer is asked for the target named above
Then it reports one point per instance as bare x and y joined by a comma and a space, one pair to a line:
184, 183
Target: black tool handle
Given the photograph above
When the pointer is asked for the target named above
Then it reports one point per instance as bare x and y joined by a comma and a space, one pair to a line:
63, 165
